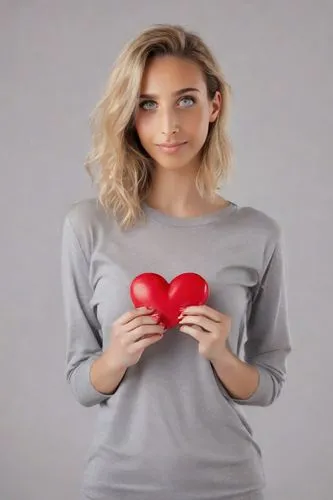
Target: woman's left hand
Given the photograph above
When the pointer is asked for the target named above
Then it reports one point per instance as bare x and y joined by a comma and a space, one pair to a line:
209, 327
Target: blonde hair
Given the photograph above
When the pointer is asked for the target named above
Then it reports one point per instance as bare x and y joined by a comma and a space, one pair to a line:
125, 168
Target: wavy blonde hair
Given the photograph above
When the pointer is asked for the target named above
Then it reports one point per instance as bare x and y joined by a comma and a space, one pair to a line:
125, 175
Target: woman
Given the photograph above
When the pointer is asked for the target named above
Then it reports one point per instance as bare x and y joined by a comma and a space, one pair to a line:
170, 424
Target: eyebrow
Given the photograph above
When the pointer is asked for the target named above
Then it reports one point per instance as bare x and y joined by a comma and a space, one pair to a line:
176, 93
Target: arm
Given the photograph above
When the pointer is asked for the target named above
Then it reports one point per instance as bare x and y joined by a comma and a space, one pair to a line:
104, 377
238, 377
259, 379
84, 343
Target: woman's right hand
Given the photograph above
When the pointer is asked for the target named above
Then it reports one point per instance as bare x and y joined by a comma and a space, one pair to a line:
131, 334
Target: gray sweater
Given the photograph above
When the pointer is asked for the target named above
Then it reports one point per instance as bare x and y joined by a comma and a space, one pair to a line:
172, 430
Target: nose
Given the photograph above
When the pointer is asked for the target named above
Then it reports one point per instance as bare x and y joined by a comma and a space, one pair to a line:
168, 122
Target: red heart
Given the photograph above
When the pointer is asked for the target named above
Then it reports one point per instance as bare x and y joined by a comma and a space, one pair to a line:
152, 290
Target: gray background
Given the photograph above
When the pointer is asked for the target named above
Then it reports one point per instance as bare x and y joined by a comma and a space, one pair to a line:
55, 58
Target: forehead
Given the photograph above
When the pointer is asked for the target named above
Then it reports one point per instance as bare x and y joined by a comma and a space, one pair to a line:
169, 73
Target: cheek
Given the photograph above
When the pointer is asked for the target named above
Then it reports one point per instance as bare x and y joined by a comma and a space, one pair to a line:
143, 127
197, 123
199, 129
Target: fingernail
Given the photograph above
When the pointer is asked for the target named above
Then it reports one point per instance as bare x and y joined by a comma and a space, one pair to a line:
181, 316
156, 317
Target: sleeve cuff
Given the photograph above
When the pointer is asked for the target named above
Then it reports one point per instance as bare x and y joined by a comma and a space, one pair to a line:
81, 385
263, 395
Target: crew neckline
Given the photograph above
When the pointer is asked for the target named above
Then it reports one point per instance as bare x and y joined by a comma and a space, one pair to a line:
172, 220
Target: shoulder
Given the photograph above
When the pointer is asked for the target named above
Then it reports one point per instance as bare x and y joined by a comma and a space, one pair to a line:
83, 221
263, 235
260, 223
260, 231
83, 214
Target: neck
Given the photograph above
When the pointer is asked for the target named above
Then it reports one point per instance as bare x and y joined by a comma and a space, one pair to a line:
174, 193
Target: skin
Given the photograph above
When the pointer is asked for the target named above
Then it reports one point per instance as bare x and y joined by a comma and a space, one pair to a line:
162, 107
166, 113
173, 191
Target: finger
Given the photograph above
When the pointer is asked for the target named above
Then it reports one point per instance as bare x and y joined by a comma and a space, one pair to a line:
144, 343
141, 321
199, 328
193, 332
201, 321
129, 315
203, 310
144, 330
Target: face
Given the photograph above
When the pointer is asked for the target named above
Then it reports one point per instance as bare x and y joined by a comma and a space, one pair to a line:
174, 112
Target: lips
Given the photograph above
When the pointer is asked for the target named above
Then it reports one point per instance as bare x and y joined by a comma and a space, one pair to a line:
171, 147
171, 144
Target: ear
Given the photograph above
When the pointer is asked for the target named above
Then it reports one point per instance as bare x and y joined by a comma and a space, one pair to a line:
215, 106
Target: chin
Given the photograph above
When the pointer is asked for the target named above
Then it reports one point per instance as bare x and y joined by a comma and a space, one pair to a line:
176, 162
171, 165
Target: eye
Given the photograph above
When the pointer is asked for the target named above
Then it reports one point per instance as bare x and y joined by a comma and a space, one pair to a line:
147, 105
187, 100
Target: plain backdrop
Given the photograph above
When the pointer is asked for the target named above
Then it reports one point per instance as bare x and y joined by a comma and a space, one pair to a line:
55, 59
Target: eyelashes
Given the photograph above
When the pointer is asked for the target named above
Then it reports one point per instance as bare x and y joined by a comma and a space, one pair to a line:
143, 104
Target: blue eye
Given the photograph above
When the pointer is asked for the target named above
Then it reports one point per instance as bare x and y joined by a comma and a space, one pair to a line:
146, 105
188, 98
184, 102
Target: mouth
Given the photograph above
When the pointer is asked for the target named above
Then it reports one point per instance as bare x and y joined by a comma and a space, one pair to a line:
171, 147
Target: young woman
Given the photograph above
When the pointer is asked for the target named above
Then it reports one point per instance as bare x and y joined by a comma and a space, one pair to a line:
170, 423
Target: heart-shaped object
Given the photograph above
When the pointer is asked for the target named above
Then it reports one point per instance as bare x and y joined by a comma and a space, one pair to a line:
152, 290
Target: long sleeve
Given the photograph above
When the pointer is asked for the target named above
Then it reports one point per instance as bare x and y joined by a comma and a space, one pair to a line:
84, 343
268, 338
